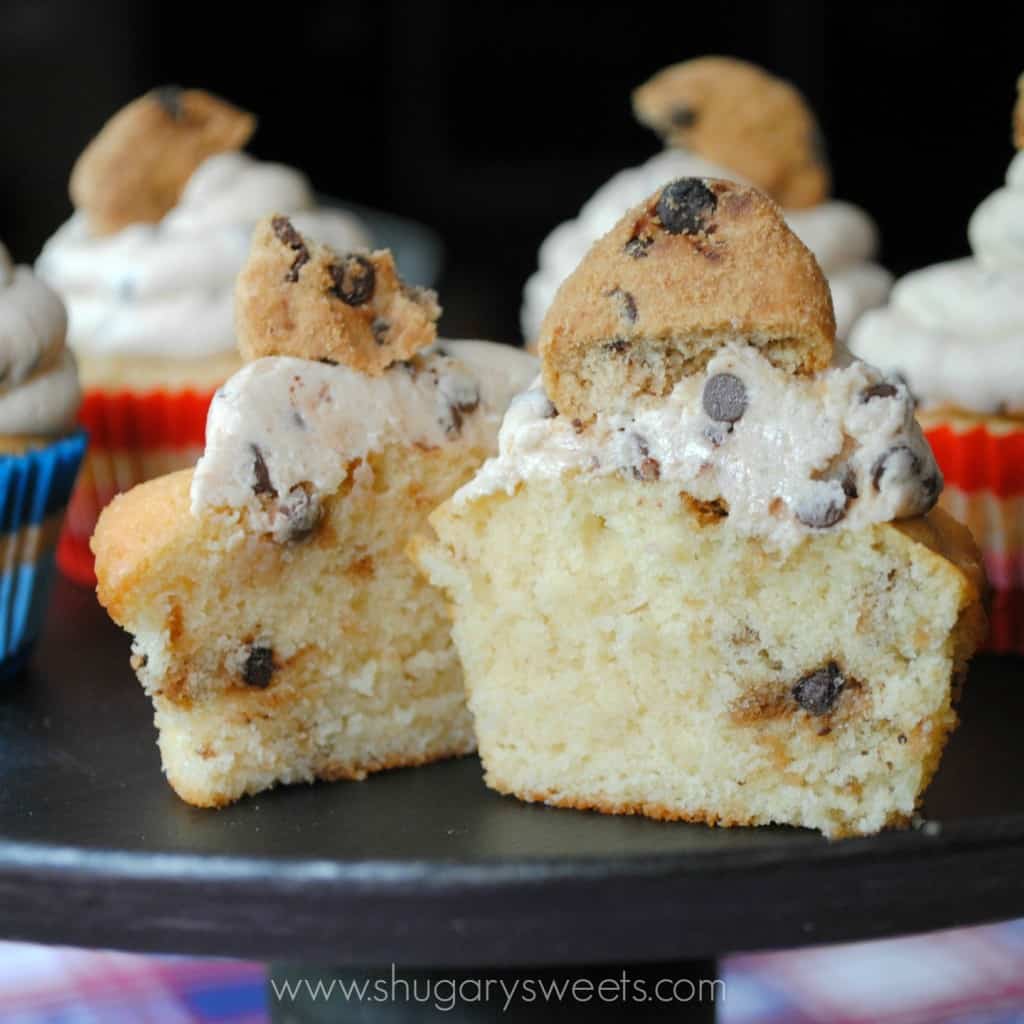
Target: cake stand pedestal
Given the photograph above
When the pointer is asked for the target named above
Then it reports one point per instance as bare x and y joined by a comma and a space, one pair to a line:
428, 870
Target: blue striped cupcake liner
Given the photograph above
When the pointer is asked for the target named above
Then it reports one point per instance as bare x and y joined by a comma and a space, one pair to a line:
35, 488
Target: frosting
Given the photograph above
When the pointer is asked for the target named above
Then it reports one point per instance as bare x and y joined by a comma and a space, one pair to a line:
955, 330
39, 393
294, 425
842, 237
838, 450
167, 289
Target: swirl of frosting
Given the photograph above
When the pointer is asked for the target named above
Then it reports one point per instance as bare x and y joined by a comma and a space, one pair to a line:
166, 289
39, 392
955, 330
842, 237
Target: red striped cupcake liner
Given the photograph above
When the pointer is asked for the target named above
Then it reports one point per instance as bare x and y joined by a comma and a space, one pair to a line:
132, 437
983, 465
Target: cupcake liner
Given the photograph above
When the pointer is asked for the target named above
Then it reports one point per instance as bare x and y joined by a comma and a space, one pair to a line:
34, 491
984, 470
133, 437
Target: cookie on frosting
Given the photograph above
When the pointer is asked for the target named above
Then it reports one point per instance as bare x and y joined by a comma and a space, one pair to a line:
741, 117
296, 297
700, 264
136, 168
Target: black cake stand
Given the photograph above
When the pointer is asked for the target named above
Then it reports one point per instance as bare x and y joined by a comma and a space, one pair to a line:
427, 869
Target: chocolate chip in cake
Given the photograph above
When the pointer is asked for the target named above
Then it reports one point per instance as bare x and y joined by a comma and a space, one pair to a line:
259, 666
644, 468
380, 328
616, 346
725, 398
685, 205
626, 303
261, 473
300, 513
850, 483
287, 235
169, 97
682, 116
818, 692
327, 362
354, 280
462, 397
881, 390
638, 245
890, 458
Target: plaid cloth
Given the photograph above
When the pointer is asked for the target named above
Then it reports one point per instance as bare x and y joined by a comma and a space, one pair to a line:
964, 976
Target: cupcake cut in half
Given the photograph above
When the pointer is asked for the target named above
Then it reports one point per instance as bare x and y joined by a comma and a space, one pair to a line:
731, 599
723, 117
165, 204
280, 628
955, 332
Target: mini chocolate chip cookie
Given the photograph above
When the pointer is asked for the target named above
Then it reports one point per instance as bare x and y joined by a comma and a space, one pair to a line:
296, 297
743, 118
700, 264
134, 171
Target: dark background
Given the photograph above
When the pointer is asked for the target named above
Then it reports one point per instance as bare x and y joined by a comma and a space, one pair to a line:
492, 122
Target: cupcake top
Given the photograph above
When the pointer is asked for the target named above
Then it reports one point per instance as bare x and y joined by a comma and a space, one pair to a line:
342, 360
738, 399
955, 330
725, 118
39, 392
165, 206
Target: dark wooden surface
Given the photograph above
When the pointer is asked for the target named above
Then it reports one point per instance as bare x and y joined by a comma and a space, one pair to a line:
426, 866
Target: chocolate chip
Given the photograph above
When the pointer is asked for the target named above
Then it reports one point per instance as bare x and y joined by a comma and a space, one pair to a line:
577, 425
901, 739
884, 460
169, 97
818, 692
380, 328
287, 235
823, 513
262, 474
626, 304
618, 346
685, 205
644, 468
725, 398
327, 362
883, 390
682, 117
259, 666
850, 483
302, 514
354, 280
638, 245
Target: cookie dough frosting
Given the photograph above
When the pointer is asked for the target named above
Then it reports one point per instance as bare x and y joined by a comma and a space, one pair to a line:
166, 289
842, 237
788, 456
39, 393
288, 428
956, 330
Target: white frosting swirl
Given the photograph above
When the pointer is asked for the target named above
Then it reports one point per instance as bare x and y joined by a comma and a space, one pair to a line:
842, 237
166, 289
306, 420
955, 330
39, 393
839, 450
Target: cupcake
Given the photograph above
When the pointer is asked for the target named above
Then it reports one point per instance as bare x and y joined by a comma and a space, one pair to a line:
165, 203
40, 451
721, 117
955, 332
730, 599
280, 628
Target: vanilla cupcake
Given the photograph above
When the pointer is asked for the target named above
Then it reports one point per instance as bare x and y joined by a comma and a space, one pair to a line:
724, 118
165, 207
40, 451
729, 599
955, 332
